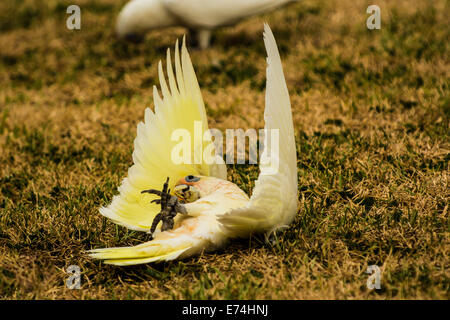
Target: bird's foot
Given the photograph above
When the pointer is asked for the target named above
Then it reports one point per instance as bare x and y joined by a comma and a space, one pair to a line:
200, 39
170, 206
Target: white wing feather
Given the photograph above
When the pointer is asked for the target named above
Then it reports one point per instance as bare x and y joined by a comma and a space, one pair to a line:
215, 13
180, 107
273, 204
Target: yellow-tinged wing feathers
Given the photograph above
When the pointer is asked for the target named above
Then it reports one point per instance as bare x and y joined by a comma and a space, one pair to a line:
181, 106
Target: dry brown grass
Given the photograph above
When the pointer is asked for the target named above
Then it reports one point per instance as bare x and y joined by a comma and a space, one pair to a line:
371, 112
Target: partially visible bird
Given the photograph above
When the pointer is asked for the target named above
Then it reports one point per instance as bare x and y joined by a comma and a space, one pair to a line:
212, 209
200, 16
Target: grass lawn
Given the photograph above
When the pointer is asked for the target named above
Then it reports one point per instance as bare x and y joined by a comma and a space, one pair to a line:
371, 114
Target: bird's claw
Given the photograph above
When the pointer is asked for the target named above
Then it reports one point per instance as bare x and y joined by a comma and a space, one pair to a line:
170, 206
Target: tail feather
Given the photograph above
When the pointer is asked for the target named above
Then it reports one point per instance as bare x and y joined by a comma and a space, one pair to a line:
168, 248
165, 257
190, 237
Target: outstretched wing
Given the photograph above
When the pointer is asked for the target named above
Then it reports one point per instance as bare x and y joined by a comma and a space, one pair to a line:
181, 115
273, 204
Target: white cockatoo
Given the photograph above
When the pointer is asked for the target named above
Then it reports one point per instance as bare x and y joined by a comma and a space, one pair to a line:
200, 16
212, 209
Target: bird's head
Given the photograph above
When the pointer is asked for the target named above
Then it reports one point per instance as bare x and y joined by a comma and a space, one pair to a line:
194, 187
139, 16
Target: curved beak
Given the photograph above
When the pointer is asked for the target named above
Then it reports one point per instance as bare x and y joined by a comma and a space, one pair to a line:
186, 193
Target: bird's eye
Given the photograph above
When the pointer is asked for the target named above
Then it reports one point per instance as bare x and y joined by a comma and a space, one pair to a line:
191, 178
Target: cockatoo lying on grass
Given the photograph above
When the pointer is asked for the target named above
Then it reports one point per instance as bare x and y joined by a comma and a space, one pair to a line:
200, 16
205, 210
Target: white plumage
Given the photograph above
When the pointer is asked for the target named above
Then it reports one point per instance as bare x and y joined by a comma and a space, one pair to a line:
265, 209
223, 210
201, 16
